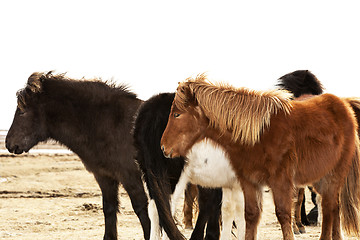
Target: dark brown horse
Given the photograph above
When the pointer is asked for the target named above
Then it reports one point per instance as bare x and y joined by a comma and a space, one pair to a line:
94, 120
270, 140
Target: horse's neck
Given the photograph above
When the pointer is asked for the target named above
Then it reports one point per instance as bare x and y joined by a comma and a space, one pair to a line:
222, 138
79, 128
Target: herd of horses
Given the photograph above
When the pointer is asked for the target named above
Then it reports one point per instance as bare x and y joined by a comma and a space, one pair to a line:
228, 141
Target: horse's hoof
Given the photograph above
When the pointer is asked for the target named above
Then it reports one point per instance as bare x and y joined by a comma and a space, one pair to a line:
300, 228
296, 231
188, 227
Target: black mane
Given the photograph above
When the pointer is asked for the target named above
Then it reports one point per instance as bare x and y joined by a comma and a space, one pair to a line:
301, 82
62, 88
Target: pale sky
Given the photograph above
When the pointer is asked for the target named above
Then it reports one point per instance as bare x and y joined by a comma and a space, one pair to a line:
152, 45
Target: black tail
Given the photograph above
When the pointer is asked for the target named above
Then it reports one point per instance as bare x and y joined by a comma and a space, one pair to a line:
160, 174
301, 82
161, 192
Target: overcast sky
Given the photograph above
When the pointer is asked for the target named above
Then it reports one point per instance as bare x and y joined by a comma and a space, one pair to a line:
152, 45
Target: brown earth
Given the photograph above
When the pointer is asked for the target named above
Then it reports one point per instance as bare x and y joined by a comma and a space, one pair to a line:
54, 197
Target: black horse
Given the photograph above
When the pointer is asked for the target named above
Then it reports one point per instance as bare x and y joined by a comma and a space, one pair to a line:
161, 174
92, 118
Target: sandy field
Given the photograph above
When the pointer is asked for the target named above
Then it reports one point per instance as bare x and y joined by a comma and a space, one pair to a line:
52, 196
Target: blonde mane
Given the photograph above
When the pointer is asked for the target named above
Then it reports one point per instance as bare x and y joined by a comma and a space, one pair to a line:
243, 112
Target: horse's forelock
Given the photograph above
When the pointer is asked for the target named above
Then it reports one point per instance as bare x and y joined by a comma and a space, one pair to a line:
33, 85
21, 101
185, 91
34, 81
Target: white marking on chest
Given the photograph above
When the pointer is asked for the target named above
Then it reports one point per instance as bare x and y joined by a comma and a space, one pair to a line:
208, 165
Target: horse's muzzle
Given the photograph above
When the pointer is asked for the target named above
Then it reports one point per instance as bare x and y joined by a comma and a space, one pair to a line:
167, 155
14, 149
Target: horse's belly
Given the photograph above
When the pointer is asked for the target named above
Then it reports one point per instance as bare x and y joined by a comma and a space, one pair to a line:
209, 166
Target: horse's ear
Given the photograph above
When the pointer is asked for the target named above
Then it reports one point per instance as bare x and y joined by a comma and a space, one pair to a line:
35, 82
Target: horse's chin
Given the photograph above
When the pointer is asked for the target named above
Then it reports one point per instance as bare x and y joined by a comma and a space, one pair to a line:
171, 154
175, 155
168, 155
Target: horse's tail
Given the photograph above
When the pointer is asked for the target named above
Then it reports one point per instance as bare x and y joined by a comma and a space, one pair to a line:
350, 194
161, 191
355, 105
301, 82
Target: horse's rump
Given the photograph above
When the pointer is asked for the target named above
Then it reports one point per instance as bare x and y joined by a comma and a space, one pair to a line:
324, 129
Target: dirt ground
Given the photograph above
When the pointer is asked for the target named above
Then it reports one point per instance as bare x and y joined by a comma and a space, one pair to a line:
54, 197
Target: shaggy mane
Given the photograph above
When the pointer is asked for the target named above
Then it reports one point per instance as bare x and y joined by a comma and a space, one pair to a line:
37, 80
243, 112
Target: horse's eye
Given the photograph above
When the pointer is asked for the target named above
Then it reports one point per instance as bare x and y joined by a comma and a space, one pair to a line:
176, 115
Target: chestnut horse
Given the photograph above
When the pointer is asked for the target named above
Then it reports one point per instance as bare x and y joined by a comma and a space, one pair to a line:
303, 84
270, 140
93, 119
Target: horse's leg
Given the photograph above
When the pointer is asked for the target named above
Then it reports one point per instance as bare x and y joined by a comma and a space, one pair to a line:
253, 208
330, 228
327, 221
336, 229
190, 194
213, 225
179, 190
330, 217
209, 208
303, 216
109, 188
282, 193
203, 215
318, 203
296, 210
298, 227
135, 189
154, 220
227, 213
238, 197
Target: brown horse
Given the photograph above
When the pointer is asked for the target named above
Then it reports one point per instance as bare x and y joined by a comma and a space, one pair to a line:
270, 140
304, 84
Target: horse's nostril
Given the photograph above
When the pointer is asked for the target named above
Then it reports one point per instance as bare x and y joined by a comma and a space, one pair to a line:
14, 149
162, 148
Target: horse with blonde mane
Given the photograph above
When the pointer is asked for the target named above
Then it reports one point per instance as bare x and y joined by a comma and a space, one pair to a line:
270, 140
